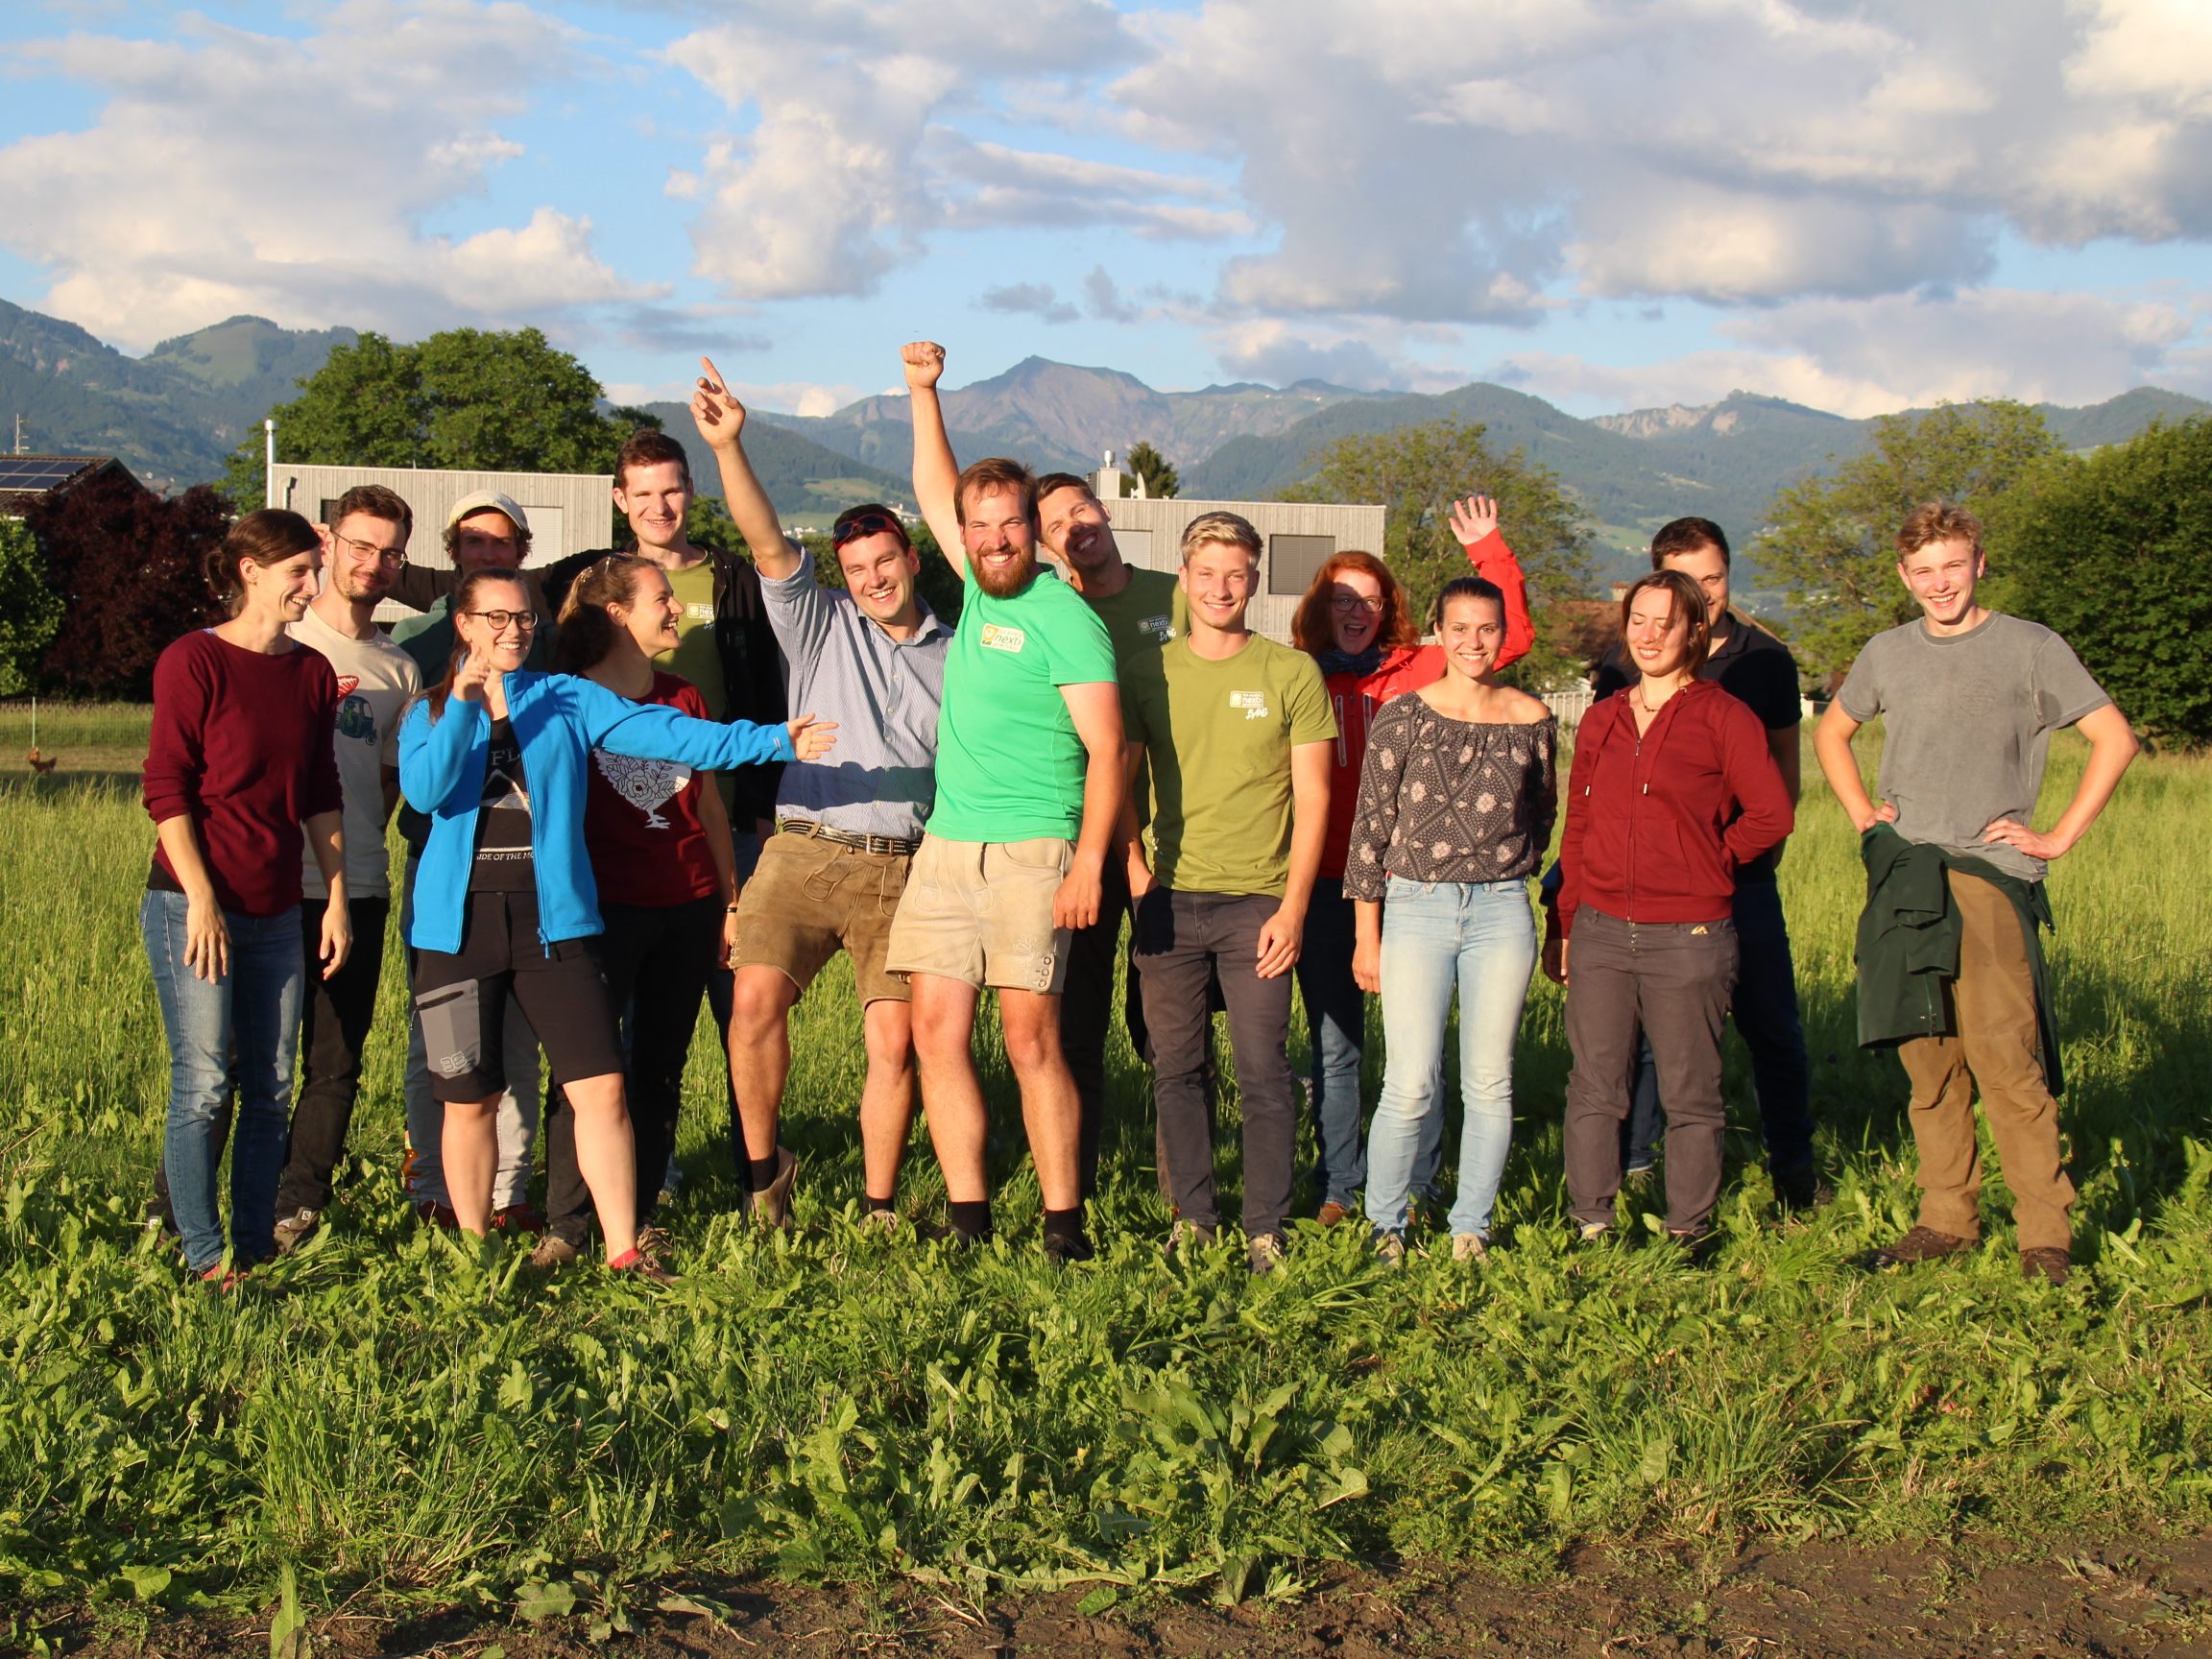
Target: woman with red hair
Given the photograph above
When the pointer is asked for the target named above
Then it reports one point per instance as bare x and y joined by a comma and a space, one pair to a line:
1354, 623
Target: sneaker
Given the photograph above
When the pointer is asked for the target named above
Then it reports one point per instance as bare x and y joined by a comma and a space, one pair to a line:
1187, 1236
1389, 1249
636, 1264
1263, 1254
1470, 1247
1637, 1176
884, 1223
2047, 1263
437, 1215
654, 1244
1919, 1245
1700, 1245
1593, 1232
295, 1230
1332, 1214
221, 1281
772, 1204
522, 1217
553, 1252
1061, 1248
1799, 1189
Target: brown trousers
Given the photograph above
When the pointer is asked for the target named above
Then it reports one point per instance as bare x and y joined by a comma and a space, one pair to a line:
1996, 1051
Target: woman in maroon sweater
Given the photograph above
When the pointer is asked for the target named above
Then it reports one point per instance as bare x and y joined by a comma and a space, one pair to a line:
1674, 786
241, 756
659, 838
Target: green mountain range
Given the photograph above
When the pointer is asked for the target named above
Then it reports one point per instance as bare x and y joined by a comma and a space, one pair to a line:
175, 415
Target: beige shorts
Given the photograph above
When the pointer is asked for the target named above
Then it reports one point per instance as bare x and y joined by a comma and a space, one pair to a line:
808, 899
981, 912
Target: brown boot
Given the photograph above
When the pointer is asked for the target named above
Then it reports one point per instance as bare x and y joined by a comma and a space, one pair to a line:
772, 1204
2047, 1263
1920, 1244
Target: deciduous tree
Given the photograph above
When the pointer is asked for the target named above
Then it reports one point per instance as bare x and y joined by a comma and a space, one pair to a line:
2114, 550
1831, 539
30, 611
1417, 471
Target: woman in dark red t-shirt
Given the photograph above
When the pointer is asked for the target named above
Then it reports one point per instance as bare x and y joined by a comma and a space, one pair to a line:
661, 853
241, 756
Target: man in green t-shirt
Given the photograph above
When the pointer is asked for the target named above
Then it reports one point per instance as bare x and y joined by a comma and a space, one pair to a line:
1029, 797
1238, 732
1143, 610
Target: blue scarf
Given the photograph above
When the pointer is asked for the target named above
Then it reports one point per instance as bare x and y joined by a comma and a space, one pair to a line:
1333, 661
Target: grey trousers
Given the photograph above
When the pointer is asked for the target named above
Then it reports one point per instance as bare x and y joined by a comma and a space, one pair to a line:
1671, 981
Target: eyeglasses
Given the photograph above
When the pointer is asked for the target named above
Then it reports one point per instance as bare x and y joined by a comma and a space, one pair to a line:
497, 620
370, 550
862, 525
1345, 604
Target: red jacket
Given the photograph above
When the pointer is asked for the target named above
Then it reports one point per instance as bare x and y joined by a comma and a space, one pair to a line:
1355, 697
1657, 827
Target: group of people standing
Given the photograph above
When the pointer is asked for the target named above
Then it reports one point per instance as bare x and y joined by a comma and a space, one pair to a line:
614, 819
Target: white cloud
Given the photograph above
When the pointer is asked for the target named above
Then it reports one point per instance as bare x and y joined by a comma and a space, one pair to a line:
1868, 357
806, 398
229, 171
1281, 352
1036, 300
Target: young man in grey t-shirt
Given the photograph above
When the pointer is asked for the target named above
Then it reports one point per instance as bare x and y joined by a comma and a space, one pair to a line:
1970, 699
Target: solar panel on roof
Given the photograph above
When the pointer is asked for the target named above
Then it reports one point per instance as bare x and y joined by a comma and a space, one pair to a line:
42, 472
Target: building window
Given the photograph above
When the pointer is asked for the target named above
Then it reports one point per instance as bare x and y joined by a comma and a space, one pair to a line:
1293, 562
1135, 546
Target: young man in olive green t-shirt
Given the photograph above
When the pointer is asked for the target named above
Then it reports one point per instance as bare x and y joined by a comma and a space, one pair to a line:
1237, 733
1142, 610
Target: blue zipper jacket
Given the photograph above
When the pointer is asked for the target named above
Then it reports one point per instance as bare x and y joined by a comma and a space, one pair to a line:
557, 719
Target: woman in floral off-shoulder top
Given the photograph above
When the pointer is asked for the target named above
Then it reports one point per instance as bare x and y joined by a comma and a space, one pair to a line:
1455, 806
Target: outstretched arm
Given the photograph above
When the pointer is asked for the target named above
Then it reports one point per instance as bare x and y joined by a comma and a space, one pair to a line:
936, 475
721, 421
1474, 522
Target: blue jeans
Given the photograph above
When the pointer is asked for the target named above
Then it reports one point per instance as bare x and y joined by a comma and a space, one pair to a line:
1337, 1031
1765, 1009
255, 1010
1477, 938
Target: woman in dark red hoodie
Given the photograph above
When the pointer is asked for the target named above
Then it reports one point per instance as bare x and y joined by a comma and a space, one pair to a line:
1674, 786
1355, 624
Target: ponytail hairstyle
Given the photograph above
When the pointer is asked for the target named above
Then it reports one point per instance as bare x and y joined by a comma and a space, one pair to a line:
268, 535
1465, 588
587, 631
465, 598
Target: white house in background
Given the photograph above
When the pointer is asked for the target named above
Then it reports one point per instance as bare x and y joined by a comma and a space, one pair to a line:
1298, 538
569, 511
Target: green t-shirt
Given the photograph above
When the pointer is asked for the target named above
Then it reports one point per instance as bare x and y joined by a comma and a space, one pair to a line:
1227, 728
696, 657
1150, 611
1009, 763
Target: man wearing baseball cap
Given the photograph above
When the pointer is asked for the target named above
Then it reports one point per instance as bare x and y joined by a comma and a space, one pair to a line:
485, 531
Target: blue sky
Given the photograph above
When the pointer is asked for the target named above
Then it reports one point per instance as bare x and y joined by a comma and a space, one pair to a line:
1611, 203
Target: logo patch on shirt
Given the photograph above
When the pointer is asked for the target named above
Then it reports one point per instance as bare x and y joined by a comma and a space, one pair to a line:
1253, 703
1161, 628
699, 612
346, 683
997, 636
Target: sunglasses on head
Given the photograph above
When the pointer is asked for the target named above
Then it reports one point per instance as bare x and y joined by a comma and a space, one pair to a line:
870, 522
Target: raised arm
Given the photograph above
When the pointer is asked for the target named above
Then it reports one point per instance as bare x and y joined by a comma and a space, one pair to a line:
936, 475
1474, 522
721, 421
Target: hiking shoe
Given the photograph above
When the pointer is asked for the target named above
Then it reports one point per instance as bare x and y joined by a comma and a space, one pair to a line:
1470, 1247
772, 1203
1062, 1248
1919, 1245
1390, 1249
220, 1280
553, 1252
2047, 1263
1265, 1254
1332, 1214
438, 1214
522, 1217
295, 1230
1187, 1236
1801, 1189
634, 1263
1638, 1176
653, 1243
886, 1223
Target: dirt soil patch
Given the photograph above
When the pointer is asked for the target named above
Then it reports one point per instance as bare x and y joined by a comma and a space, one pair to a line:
2148, 1598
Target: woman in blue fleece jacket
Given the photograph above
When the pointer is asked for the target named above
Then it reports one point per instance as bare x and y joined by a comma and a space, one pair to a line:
504, 899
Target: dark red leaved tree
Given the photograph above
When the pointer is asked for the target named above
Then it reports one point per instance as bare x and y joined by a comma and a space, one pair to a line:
129, 570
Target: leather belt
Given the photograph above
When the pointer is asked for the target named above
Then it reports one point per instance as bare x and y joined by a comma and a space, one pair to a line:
888, 844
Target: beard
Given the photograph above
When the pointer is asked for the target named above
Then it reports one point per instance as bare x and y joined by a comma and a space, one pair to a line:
1004, 585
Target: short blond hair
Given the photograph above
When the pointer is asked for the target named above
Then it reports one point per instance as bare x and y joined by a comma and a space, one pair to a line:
1933, 521
1231, 529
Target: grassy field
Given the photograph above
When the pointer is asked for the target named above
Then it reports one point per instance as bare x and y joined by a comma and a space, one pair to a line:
394, 1417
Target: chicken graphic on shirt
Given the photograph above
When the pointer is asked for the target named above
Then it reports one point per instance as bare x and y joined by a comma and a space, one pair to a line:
646, 784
